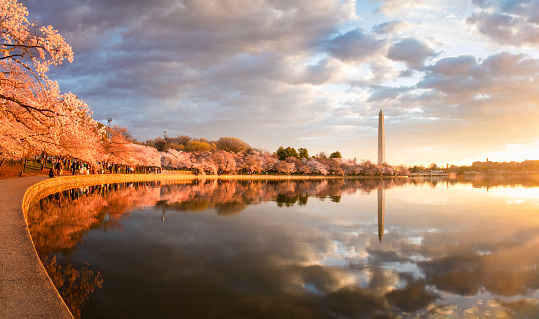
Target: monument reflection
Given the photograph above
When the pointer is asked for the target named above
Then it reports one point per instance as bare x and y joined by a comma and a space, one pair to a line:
381, 212
299, 249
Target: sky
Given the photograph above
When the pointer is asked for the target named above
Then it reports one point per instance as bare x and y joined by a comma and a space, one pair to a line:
456, 80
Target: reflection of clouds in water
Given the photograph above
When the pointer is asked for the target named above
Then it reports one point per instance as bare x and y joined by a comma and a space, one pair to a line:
342, 255
439, 260
415, 240
418, 258
405, 267
516, 202
485, 305
517, 196
428, 201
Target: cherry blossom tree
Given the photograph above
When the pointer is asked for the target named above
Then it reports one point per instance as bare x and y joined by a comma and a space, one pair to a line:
368, 168
252, 163
268, 162
295, 161
82, 137
203, 162
317, 167
117, 146
304, 167
285, 167
146, 156
226, 161
35, 116
28, 51
349, 167
176, 159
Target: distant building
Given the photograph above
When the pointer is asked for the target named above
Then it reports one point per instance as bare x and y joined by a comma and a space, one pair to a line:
381, 139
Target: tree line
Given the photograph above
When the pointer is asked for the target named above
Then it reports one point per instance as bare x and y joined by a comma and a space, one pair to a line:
230, 155
263, 162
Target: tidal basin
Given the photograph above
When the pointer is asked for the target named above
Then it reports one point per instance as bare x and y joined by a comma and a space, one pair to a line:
340, 248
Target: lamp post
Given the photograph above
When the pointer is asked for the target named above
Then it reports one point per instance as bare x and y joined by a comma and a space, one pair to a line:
165, 149
109, 120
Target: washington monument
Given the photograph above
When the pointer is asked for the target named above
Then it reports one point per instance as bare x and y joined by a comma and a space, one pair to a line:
381, 139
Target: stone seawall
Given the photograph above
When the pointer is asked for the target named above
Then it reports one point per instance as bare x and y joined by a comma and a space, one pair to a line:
61, 183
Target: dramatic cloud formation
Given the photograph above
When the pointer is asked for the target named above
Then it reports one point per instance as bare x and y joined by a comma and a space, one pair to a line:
454, 77
508, 22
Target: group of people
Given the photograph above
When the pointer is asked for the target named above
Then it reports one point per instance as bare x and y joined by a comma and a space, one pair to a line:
116, 168
79, 168
76, 168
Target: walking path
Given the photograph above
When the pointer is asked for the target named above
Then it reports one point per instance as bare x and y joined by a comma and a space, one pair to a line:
25, 288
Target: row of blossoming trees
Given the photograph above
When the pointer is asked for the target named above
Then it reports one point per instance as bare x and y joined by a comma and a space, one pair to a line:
36, 118
257, 162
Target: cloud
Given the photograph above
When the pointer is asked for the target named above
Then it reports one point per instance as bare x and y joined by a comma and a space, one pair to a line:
391, 27
208, 61
495, 76
354, 46
463, 65
411, 51
513, 23
396, 7
386, 93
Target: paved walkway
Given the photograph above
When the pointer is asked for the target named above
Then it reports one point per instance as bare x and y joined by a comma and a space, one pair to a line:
25, 289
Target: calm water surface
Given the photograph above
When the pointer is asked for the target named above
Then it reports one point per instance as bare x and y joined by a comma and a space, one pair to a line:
295, 249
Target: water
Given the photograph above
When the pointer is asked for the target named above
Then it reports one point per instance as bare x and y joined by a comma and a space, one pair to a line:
466, 248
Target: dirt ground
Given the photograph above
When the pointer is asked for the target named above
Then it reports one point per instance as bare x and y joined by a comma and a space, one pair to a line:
12, 170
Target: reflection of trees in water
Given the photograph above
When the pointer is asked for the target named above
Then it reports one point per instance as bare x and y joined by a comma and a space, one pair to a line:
479, 180
288, 201
224, 194
59, 221
500, 180
75, 286
230, 208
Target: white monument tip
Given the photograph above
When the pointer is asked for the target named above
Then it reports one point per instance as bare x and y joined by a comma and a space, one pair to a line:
381, 139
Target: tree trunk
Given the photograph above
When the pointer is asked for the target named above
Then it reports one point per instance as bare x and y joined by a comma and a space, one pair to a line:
43, 160
2, 162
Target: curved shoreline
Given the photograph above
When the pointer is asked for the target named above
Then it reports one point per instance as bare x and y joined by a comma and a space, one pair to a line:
25, 287
26, 291
61, 183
